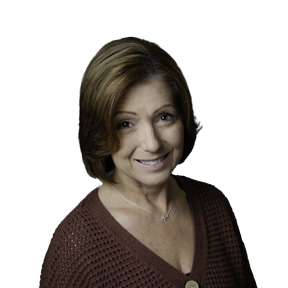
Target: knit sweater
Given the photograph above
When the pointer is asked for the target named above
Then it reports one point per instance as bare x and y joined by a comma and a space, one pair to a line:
91, 249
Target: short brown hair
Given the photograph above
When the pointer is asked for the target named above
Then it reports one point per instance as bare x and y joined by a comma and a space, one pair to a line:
118, 65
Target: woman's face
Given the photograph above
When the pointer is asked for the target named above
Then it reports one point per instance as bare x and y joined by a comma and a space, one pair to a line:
151, 135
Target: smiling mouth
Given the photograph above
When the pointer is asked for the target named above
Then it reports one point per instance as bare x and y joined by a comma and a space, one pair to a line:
153, 162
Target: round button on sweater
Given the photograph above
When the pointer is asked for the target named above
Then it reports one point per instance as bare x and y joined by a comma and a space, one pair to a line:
191, 284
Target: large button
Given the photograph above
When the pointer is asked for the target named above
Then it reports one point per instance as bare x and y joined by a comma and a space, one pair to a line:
191, 284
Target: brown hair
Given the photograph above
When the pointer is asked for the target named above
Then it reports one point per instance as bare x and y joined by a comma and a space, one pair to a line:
118, 65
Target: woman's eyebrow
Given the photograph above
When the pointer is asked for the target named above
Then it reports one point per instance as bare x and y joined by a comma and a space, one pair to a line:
166, 105
128, 112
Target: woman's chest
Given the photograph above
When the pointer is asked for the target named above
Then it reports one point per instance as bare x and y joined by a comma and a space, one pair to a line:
173, 241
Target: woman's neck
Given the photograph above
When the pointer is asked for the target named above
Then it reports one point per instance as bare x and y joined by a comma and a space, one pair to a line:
154, 198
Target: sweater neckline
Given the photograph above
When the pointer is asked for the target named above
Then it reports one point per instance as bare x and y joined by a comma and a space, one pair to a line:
144, 253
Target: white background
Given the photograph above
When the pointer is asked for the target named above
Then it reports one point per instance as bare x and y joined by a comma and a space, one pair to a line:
234, 57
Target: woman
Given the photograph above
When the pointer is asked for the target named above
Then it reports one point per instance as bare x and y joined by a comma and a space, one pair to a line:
143, 227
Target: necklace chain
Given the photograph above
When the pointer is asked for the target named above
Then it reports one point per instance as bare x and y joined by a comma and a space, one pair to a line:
164, 218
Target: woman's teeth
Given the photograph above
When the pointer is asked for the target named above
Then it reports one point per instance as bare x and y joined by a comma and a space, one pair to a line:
152, 162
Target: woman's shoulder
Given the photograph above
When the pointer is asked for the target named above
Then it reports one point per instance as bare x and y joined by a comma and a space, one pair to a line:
203, 189
211, 200
70, 238
74, 220
189, 181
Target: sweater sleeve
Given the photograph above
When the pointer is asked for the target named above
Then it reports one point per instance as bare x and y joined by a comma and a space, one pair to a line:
227, 262
249, 281
49, 264
62, 266
229, 242
59, 261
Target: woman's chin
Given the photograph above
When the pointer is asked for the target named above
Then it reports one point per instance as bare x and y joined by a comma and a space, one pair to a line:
151, 179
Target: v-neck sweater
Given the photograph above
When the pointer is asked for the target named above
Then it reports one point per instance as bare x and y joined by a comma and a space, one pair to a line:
91, 249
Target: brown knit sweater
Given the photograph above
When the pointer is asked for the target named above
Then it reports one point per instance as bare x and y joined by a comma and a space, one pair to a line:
90, 249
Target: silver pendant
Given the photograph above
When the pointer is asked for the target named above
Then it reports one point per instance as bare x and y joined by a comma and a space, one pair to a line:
164, 217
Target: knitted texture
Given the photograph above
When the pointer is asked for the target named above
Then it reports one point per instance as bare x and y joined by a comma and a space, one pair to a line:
90, 249
227, 262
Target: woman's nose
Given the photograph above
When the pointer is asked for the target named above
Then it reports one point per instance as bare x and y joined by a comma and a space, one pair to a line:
149, 138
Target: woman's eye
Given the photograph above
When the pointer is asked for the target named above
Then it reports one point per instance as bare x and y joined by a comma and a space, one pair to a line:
166, 117
124, 125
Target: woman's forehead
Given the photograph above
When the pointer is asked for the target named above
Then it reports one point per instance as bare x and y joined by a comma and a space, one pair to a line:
154, 92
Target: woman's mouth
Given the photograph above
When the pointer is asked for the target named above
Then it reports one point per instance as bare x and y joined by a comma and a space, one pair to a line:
154, 161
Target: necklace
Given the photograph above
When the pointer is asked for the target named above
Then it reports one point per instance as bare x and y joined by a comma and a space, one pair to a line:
163, 217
